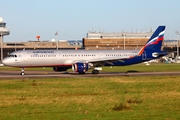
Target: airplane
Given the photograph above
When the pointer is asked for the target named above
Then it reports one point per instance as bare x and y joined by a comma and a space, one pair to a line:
82, 60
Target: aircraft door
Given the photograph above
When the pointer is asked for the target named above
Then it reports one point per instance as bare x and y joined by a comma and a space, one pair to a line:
58, 56
102, 55
24, 56
144, 56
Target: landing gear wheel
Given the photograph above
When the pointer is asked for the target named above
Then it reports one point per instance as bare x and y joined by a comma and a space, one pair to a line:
22, 73
95, 71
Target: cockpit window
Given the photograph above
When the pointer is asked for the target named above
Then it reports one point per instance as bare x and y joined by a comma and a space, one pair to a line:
12, 55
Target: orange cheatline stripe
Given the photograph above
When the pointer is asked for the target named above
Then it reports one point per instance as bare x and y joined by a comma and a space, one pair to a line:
141, 51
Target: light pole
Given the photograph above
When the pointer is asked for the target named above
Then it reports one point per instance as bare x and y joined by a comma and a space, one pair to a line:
177, 33
57, 34
124, 41
1, 46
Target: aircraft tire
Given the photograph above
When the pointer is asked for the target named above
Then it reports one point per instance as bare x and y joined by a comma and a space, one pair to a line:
95, 72
22, 73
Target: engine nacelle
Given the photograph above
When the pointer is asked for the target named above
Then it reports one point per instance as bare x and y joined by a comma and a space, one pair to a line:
80, 67
60, 69
155, 54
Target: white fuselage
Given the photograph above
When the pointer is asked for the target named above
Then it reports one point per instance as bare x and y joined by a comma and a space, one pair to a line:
51, 58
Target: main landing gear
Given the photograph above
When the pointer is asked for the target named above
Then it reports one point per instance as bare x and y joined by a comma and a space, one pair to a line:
22, 71
96, 70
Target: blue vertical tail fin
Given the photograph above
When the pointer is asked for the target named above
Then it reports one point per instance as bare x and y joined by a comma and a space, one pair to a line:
154, 44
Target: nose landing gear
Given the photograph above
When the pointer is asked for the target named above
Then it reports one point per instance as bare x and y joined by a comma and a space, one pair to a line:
22, 71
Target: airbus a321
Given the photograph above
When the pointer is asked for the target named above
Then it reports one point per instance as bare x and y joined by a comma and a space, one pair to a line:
83, 60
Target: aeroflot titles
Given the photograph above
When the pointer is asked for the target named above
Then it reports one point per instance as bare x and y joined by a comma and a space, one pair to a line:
43, 51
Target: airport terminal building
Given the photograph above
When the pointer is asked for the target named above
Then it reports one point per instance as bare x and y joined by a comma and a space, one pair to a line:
116, 40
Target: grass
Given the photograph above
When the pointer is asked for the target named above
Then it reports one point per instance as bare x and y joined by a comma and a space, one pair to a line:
111, 98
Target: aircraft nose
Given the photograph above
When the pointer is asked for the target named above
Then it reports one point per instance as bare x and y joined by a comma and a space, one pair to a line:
5, 61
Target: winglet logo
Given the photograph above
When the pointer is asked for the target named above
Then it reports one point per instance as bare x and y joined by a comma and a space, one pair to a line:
153, 41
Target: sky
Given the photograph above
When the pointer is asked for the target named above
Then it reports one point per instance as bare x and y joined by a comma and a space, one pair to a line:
74, 18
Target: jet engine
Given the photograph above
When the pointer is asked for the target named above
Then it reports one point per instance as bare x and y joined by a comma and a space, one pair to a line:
60, 69
155, 54
80, 67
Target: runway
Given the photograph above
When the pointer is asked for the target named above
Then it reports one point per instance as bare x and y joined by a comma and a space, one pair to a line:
52, 74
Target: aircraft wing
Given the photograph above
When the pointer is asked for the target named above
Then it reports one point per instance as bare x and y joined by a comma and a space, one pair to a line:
105, 60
